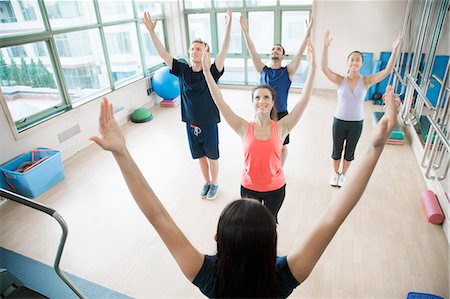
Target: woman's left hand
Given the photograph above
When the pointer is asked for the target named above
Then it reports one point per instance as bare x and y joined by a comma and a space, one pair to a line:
397, 41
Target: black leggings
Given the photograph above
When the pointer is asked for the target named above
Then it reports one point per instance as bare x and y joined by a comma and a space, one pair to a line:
271, 199
348, 131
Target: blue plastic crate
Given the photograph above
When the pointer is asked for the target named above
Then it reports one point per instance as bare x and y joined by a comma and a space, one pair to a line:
38, 179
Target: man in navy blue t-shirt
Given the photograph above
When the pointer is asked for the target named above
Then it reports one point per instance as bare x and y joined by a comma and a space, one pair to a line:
275, 75
198, 110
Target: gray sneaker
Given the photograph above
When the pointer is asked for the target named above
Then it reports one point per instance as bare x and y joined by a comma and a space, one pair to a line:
205, 190
212, 193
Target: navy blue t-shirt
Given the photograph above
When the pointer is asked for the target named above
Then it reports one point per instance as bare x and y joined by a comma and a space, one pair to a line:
205, 277
280, 81
197, 105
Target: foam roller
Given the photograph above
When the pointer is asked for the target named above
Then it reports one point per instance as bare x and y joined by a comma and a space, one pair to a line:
432, 208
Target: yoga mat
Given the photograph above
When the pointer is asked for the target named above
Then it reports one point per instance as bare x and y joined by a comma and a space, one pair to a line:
43, 278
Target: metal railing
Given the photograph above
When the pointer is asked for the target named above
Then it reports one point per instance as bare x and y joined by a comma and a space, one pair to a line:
65, 231
422, 29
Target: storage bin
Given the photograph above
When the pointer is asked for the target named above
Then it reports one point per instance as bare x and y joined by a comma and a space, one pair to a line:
37, 179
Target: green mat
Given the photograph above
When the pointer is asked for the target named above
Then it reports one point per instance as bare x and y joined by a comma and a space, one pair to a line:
43, 278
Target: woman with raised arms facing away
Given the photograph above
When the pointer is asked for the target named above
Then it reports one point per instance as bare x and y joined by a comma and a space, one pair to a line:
246, 264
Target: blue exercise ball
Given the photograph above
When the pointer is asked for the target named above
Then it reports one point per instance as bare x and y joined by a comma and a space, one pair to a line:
165, 84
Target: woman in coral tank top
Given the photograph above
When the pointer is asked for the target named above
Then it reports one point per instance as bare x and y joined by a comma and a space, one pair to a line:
262, 138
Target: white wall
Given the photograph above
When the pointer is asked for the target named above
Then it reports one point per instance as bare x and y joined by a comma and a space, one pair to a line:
366, 26
129, 97
444, 42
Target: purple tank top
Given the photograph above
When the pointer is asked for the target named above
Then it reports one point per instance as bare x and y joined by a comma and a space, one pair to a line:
350, 103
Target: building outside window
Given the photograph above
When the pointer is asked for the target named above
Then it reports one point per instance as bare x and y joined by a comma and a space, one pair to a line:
47, 68
280, 21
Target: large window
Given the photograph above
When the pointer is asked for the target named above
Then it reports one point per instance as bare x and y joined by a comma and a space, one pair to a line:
28, 83
123, 50
115, 10
269, 22
293, 26
83, 63
151, 57
20, 17
200, 27
66, 13
262, 21
56, 55
236, 33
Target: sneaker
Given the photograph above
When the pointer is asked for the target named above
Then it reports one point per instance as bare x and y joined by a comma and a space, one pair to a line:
212, 192
205, 190
334, 179
341, 180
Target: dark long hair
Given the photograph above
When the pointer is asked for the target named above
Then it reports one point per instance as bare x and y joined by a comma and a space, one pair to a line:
273, 112
246, 251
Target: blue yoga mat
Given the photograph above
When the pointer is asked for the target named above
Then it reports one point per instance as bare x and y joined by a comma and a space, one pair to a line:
43, 278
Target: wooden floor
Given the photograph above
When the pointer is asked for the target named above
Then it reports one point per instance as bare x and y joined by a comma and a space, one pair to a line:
385, 249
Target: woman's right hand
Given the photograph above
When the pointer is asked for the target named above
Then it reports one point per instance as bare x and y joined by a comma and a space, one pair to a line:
397, 41
389, 120
327, 39
112, 138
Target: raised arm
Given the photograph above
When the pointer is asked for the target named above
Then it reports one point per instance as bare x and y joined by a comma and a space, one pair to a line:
295, 62
220, 58
303, 260
162, 52
257, 63
377, 77
332, 76
238, 124
288, 122
188, 258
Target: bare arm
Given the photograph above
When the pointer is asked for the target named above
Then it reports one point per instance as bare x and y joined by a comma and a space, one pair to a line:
379, 76
188, 258
332, 76
303, 260
257, 63
220, 58
288, 122
162, 52
238, 124
295, 62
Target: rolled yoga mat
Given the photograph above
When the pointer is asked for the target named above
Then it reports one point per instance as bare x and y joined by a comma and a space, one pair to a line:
432, 207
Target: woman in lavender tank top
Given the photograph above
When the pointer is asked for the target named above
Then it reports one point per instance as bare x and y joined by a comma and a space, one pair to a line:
349, 115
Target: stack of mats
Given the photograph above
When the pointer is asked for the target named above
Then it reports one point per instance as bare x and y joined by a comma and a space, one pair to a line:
170, 103
397, 135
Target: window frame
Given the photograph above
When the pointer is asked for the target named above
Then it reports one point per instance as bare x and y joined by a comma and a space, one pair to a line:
19, 127
244, 9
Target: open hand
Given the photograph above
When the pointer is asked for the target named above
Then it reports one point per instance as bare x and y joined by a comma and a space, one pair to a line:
148, 22
397, 41
206, 59
111, 138
327, 39
308, 25
244, 24
228, 18
311, 54
389, 120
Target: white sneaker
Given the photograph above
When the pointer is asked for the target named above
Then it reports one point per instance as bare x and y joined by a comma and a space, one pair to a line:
341, 180
334, 179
